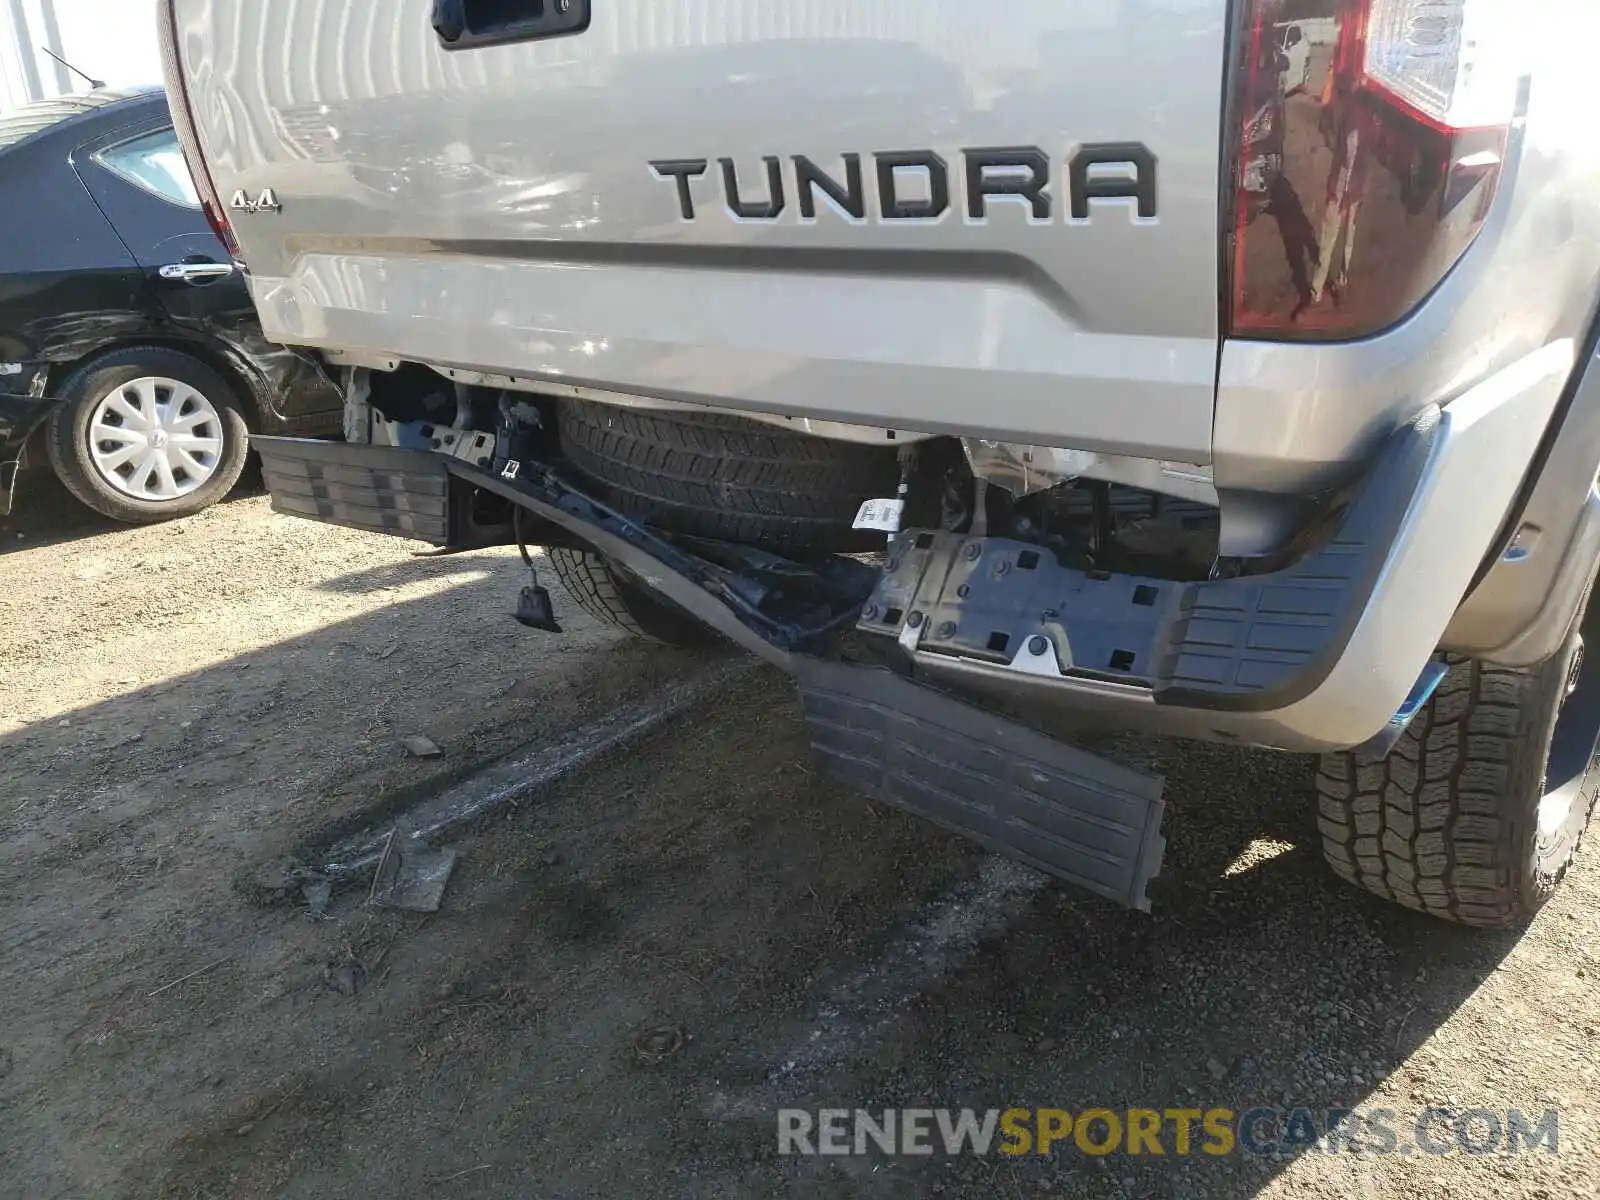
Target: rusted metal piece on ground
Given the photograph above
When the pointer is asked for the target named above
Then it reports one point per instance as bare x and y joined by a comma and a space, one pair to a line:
410, 876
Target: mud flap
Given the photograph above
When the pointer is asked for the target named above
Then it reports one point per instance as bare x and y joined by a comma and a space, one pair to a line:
1014, 791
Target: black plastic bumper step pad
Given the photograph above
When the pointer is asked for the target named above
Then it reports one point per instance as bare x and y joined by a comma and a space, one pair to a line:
381, 488
1016, 792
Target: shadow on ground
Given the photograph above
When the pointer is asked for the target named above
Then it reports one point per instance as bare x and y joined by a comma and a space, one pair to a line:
46, 514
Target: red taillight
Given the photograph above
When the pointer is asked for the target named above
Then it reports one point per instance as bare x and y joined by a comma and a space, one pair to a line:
188, 137
1366, 147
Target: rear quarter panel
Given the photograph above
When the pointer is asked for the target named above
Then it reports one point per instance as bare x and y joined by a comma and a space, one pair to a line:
65, 276
67, 283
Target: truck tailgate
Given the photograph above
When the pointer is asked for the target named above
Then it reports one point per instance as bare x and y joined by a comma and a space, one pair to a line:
866, 211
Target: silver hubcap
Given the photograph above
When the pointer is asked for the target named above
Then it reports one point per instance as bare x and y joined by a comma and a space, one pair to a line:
155, 439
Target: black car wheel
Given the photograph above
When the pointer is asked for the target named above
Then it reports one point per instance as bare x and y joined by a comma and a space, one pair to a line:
146, 433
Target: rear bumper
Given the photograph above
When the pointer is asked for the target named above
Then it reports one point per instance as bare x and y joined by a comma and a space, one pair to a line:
20, 415
1319, 655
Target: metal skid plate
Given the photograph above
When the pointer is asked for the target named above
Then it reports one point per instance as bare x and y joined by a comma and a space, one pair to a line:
992, 599
1052, 806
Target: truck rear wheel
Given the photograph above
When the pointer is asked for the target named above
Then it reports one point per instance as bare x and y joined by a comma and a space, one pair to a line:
607, 594
1476, 813
717, 476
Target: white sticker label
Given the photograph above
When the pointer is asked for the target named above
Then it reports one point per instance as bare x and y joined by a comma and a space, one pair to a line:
880, 514
511, 469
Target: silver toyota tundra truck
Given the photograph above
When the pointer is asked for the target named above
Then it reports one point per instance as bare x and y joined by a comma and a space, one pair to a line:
1217, 368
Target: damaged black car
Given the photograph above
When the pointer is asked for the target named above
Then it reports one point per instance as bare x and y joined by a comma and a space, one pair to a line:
131, 357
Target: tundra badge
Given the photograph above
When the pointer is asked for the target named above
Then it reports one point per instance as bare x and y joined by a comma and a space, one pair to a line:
1024, 174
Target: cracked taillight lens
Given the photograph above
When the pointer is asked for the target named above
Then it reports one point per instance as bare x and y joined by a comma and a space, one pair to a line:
1366, 146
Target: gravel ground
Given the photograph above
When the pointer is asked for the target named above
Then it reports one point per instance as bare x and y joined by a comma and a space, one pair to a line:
635, 968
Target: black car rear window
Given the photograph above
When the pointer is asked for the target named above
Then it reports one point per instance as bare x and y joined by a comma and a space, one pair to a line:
20, 124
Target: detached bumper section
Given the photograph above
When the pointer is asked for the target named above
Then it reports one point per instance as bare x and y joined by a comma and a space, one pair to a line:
1045, 803
1320, 655
378, 488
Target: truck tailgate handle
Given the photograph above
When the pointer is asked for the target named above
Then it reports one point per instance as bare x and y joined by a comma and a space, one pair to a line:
466, 24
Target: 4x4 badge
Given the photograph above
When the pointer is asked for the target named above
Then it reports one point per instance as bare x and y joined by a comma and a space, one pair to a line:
267, 201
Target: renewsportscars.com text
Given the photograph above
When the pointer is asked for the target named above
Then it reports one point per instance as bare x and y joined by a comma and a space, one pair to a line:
1166, 1131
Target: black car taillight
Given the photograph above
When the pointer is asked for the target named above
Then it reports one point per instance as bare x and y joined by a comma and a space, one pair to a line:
1366, 146
188, 137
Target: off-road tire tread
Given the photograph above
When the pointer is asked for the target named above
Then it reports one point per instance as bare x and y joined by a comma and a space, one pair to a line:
725, 477
1443, 823
595, 588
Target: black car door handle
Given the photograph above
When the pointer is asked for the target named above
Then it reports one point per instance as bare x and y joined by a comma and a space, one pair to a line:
464, 24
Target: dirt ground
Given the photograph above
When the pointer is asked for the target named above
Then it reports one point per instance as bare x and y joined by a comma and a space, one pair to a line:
184, 708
